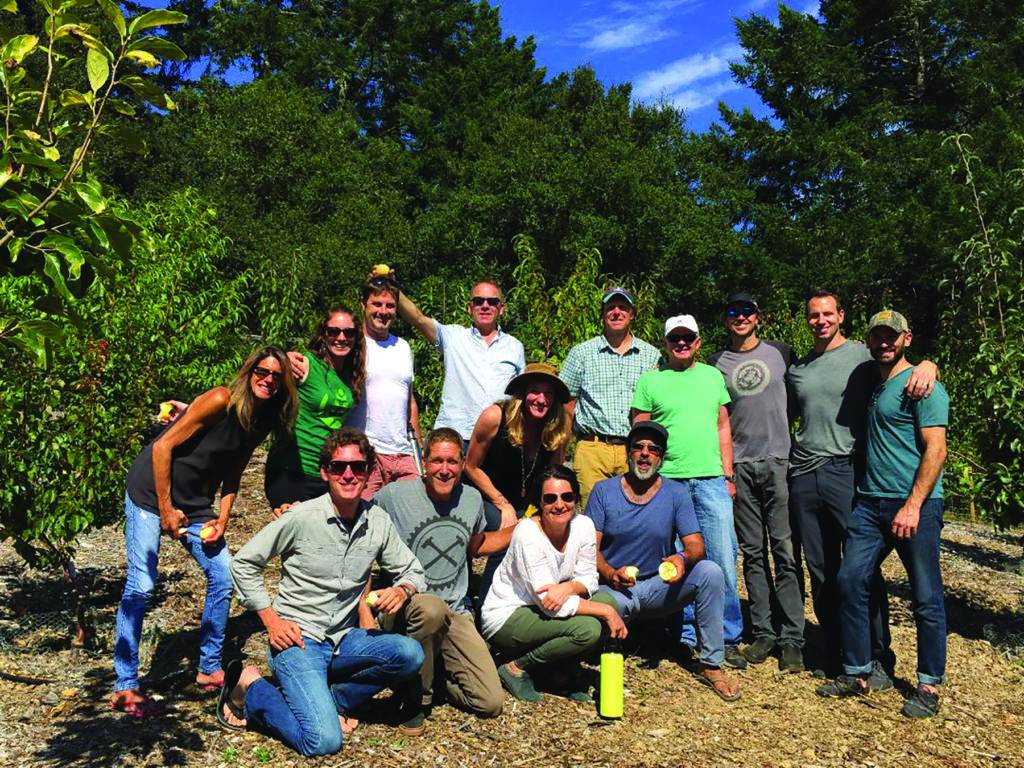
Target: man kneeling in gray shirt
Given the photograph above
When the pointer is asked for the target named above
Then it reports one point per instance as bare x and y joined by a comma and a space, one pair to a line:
325, 663
442, 520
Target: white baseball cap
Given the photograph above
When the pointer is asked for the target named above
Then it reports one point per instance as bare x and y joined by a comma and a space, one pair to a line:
681, 321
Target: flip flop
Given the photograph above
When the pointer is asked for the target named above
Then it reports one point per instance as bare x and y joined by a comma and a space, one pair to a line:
231, 675
713, 681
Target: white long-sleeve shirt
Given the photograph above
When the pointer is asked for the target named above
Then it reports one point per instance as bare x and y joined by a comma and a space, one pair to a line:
532, 562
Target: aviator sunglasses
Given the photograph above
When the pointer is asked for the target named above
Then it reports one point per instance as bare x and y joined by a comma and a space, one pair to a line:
746, 311
338, 467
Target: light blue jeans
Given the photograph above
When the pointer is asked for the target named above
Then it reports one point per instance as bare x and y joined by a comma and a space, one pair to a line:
142, 540
713, 507
317, 682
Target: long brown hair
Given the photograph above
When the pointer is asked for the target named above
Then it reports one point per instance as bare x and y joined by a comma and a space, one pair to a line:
557, 424
353, 371
280, 410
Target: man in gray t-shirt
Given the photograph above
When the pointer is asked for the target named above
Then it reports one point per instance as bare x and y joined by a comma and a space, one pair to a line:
755, 375
442, 522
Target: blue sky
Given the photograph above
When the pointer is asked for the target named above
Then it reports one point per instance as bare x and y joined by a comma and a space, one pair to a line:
676, 50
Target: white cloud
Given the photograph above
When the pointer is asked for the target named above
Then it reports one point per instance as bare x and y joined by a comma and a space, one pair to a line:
691, 99
676, 76
629, 36
624, 25
812, 9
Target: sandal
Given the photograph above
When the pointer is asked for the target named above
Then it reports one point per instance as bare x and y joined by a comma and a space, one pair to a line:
715, 679
231, 676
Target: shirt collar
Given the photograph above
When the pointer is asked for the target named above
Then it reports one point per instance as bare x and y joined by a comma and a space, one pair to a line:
476, 333
605, 345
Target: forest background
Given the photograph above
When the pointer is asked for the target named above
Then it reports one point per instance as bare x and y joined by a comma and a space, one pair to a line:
157, 220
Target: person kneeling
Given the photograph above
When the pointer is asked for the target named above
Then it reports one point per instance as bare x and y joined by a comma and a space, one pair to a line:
324, 665
541, 607
637, 518
443, 521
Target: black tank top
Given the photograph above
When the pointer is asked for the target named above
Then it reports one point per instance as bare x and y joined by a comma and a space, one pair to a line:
198, 467
510, 470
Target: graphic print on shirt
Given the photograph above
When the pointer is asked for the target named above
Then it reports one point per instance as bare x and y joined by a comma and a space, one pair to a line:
751, 377
333, 402
440, 546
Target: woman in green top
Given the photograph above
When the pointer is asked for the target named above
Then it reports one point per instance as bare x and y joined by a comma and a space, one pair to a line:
330, 380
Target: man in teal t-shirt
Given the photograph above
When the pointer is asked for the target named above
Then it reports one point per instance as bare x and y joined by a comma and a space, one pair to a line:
689, 399
899, 507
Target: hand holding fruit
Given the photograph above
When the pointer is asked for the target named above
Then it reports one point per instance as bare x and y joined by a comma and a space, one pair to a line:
380, 270
672, 569
170, 410
622, 578
388, 600
173, 522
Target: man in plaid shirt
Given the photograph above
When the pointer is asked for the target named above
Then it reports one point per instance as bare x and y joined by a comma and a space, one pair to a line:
601, 374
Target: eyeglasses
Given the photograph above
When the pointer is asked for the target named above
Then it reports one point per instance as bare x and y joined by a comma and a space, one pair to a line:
746, 311
338, 468
491, 301
550, 498
686, 338
261, 373
333, 332
654, 448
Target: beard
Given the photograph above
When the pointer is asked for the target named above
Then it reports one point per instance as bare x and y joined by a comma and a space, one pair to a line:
644, 474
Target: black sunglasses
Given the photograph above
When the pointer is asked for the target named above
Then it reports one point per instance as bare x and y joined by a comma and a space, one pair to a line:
746, 311
675, 338
654, 448
333, 332
491, 301
381, 281
261, 373
338, 467
550, 498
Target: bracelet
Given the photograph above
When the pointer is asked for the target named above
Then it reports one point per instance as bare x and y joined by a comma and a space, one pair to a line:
409, 591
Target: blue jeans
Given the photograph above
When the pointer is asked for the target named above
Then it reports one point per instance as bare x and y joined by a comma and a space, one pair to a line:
869, 541
700, 589
713, 506
142, 540
317, 682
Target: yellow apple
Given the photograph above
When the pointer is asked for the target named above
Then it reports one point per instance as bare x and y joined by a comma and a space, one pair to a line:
667, 570
632, 572
381, 270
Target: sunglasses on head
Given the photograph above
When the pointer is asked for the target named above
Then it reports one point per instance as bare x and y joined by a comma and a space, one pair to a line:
338, 468
687, 337
745, 311
550, 498
491, 301
333, 332
380, 281
654, 448
261, 373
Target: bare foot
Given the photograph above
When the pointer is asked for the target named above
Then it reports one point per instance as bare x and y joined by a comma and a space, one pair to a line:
237, 697
348, 724
133, 702
210, 682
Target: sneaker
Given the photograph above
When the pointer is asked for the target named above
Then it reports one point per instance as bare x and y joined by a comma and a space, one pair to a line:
842, 686
878, 678
920, 704
733, 657
415, 724
791, 659
520, 686
759, 650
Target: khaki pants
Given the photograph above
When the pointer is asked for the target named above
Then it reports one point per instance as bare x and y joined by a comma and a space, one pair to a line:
596, 461
471, 678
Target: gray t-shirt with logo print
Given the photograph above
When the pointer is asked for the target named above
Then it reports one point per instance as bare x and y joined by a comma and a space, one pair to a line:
756, 380
437, 533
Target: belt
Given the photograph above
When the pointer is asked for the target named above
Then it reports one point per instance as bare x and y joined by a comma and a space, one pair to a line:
598, 438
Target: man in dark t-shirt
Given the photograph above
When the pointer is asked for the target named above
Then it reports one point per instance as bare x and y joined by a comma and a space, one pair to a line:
755, 375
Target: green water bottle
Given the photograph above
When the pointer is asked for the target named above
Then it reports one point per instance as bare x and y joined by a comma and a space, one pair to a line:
612, 683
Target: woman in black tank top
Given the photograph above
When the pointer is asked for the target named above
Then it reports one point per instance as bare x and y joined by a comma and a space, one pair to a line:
512, 443
171, 488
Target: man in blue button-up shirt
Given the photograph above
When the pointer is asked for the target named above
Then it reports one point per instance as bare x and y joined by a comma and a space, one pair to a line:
479, 361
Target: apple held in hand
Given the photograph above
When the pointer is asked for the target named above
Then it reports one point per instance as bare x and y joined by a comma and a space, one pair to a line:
632, 572
667, 571
166, 409
206, 532
371, 599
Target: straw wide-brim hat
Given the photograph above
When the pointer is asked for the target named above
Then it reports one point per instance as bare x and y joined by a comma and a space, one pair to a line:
543, 371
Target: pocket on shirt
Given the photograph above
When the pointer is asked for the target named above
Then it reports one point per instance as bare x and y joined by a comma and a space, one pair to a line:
317, 562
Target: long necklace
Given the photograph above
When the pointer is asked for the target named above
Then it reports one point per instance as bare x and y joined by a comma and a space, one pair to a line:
527, 475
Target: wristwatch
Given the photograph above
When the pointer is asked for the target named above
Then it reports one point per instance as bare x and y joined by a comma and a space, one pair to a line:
730, 478
409, 591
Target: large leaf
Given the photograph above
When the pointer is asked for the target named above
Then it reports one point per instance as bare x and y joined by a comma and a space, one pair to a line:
113, 13
69, 249
148, 91
159, 47
145, 58
52, 269
98, 68
70, 97
156, 18
18, 48
11, 6
126, 135
92, 194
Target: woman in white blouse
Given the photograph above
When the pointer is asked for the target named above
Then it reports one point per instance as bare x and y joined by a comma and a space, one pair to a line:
541, 607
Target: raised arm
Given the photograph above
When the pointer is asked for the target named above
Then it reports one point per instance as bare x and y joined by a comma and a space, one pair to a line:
409, 312
205, 411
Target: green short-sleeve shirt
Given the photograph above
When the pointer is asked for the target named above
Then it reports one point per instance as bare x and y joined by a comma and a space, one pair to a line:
686, 403
894, 448
324, 402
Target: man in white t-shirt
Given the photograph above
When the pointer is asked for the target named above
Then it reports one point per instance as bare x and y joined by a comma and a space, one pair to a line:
387, 408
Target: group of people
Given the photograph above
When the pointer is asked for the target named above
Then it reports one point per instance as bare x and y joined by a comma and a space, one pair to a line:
678, 465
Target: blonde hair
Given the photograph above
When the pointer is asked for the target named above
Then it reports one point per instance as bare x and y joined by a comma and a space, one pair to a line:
557, 424
279, 414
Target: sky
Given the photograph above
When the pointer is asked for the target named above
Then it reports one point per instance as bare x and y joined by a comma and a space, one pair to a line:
672, 50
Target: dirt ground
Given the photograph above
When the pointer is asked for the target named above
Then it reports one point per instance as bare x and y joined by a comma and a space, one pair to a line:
61, 718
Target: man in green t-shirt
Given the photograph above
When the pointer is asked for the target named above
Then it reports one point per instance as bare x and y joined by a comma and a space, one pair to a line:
899, 506
689, 399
